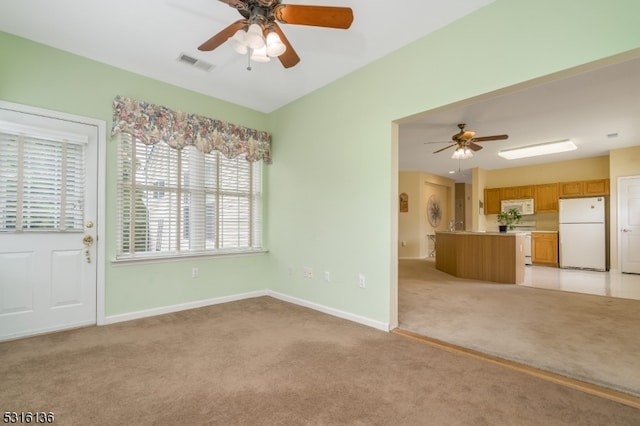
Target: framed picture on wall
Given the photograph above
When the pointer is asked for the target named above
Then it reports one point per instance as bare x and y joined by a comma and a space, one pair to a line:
434, 211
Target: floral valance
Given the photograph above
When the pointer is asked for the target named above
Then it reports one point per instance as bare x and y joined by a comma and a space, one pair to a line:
153, 123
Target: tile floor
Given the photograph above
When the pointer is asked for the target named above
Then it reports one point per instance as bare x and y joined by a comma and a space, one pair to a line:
614, 284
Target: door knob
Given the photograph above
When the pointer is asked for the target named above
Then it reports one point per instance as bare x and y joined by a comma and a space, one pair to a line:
88, 224
626, 230
87, 241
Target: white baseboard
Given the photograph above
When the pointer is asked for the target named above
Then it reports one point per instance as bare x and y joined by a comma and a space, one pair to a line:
331, 311
112, 319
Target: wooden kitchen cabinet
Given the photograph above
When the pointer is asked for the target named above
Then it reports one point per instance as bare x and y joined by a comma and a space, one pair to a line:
526, 191
596, 187
584, 188
492, 200
546, 198
544, 248
517, 192
571, 189
509, 193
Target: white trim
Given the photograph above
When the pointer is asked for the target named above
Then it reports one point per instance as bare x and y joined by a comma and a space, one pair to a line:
331, 311
112, 319
45, 330
52, 135
101, 126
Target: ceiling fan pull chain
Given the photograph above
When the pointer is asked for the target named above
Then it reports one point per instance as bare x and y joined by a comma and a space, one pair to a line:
249, 59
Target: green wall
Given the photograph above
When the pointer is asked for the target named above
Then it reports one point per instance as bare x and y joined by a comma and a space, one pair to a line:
332, 188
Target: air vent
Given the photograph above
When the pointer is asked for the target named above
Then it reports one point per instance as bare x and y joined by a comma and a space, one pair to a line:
205, 66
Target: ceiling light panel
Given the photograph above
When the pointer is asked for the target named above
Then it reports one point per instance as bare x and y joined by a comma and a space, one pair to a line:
539, 149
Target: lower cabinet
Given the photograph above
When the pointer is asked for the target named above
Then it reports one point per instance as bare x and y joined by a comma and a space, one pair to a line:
544, 248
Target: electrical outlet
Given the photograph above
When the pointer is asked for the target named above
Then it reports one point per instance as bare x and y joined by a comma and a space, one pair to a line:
195, 272
327, 276
307, 272
362, 282
290, 270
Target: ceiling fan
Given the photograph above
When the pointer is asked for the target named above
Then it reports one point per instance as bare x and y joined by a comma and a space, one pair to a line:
465, 142
260, 21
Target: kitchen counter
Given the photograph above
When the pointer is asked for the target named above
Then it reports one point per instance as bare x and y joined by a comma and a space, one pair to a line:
486, 256
502, 234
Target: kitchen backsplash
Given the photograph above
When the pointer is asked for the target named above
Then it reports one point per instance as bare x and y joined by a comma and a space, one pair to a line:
545, 221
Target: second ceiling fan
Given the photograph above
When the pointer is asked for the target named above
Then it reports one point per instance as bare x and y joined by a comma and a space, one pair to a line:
260, 22
465, 142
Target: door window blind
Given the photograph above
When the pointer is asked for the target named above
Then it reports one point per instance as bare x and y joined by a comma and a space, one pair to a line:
180, 202
41, 184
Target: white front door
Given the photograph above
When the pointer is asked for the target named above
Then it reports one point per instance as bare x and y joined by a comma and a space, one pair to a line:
629, 216
48, 214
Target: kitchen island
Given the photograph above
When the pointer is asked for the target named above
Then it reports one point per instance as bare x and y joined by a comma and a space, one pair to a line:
486, 256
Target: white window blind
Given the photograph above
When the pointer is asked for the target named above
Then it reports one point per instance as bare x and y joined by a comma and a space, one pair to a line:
41, 184
181, 202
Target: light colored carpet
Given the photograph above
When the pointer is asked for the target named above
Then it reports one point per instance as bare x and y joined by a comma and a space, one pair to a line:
266, 362
590, 338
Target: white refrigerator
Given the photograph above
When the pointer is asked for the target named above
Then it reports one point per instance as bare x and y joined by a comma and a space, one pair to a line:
582, 233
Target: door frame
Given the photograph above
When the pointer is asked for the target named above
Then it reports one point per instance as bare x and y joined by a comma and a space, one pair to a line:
101, 126
619, 218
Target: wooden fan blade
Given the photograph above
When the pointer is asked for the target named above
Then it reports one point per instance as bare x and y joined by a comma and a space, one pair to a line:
222, 36
490, 138
474, 146
446, 147
289, 58
317, 16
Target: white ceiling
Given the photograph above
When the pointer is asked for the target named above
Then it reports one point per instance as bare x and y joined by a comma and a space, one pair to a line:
584, 107
147, 37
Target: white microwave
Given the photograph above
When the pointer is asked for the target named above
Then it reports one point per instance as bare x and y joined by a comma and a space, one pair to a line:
523, 206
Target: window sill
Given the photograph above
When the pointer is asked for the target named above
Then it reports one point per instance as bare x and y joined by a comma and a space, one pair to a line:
188, 256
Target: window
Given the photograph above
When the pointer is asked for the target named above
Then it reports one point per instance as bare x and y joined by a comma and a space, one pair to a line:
175, 202
41, 184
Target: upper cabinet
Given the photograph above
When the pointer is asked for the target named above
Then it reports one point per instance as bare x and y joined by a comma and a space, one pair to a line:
596, 187
546, 198
492, 200
584, 188
517, 192
570, 189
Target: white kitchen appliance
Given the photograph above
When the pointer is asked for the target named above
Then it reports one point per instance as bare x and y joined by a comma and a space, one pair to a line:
524, 206
582, 233
525, 227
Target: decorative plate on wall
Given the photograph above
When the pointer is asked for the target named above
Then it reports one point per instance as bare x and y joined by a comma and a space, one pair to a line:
434, 212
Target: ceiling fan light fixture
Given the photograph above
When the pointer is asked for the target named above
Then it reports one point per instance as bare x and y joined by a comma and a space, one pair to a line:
462, 153
275, 47
539, 149
238, 42
254, 38
260, 55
